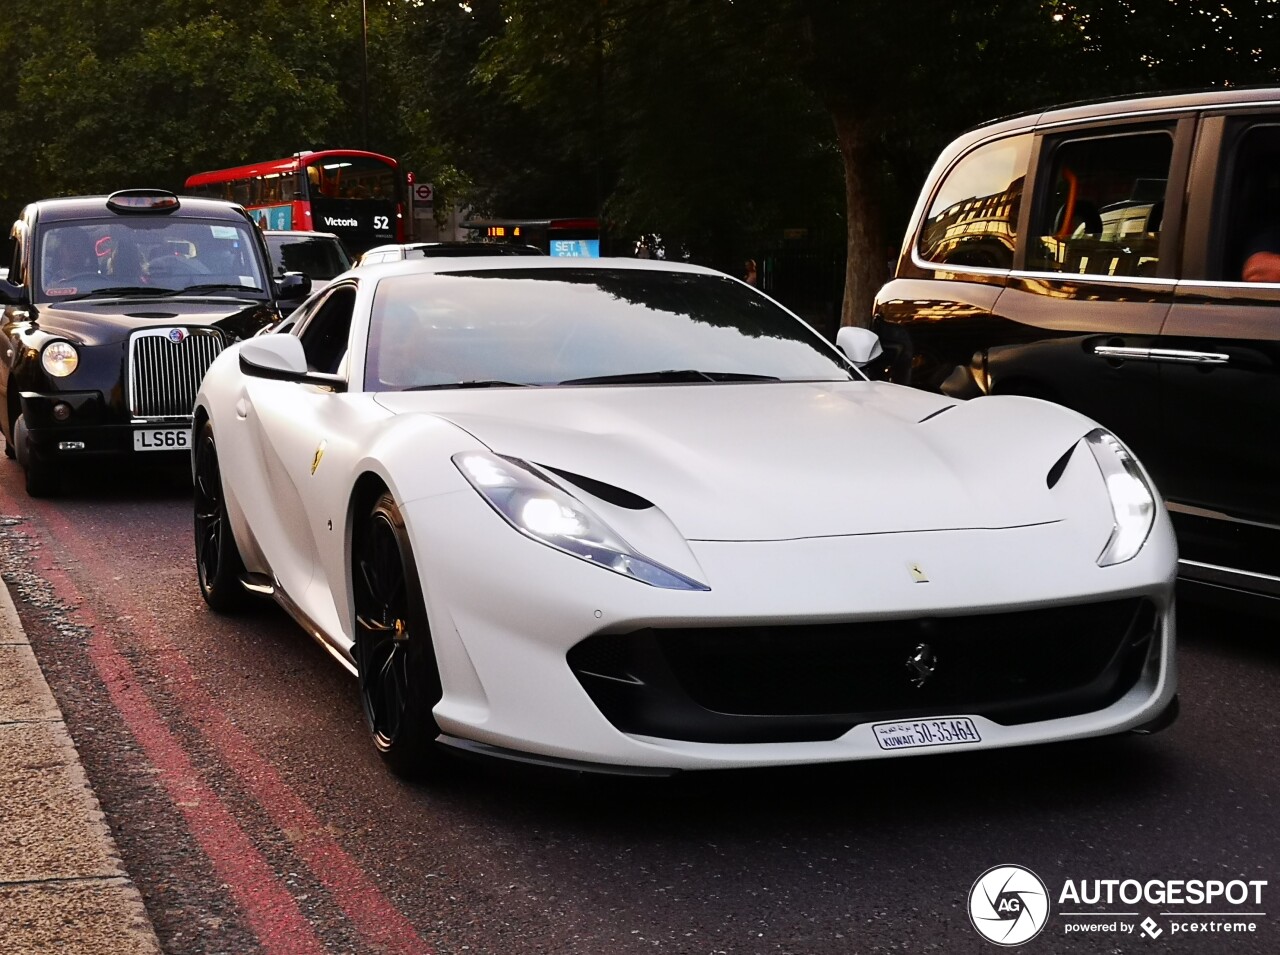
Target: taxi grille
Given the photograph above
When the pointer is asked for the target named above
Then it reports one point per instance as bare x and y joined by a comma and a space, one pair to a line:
166, 366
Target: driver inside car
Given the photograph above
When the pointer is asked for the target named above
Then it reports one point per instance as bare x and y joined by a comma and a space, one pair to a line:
72, 256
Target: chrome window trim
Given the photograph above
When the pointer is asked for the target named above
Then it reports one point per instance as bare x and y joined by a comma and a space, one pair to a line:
1141, 281
1192, 511
1229, 576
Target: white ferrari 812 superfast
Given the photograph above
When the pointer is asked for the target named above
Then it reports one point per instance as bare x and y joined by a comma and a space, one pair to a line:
635, 516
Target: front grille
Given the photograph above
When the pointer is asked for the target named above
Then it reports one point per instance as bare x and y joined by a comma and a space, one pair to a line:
812, 682
166, 366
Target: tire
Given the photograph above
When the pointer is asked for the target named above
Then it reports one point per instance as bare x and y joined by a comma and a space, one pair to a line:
395, 658
41, 479
219, 568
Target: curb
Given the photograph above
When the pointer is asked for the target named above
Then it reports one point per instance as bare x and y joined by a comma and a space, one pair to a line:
63, 887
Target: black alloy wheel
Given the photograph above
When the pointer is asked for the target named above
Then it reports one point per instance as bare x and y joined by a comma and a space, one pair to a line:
399, 678
218, 563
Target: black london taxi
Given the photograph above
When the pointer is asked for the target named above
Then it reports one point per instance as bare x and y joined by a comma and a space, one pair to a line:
114, 307
1121, 258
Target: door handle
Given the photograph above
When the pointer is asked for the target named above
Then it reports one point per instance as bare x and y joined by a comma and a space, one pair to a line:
1181, 357
1122, 352
242, 408
1173, 355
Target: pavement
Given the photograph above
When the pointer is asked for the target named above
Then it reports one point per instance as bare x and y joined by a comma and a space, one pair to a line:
63, 888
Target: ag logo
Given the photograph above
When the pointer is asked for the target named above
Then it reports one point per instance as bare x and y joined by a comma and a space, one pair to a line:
1008, 905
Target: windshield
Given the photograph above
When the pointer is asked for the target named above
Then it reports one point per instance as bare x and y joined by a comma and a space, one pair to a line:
317, 257
147, 255
596, 327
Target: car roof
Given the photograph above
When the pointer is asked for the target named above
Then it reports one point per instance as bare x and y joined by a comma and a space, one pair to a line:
456, 248
95, 207
520, 263
1130, 105
300, 234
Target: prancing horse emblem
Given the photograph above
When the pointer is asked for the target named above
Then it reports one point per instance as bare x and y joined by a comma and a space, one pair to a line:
315, 462
921, 664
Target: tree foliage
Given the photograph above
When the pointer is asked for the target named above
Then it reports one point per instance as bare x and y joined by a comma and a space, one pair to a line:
727, 127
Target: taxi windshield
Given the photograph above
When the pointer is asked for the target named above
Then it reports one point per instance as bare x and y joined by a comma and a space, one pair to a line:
146, 255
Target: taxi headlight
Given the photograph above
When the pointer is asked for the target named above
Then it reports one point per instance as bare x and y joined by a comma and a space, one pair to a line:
60, 359
1133, 503
545, 512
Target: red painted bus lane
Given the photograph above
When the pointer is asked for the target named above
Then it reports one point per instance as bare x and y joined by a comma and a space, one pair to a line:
270, 909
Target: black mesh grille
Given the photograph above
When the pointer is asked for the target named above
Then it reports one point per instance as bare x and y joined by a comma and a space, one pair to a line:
756, 684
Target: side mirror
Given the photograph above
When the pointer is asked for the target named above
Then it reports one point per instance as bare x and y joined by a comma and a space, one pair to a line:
11, 294
273, 353
293, 285
281, 358
859, 345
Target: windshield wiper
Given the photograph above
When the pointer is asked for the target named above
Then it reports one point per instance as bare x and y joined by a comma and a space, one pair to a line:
481, 383
123, 290
669, 375
215, 286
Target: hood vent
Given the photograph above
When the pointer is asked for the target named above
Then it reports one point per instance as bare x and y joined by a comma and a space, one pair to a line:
606, 492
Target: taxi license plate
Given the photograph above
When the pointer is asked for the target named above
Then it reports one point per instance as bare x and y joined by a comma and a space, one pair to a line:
162, 439
939, 731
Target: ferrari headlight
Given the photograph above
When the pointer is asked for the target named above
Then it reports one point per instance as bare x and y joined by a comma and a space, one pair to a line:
60, 359
543, 511
1133, 503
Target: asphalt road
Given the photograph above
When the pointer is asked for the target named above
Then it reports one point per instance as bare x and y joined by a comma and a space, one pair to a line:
230, 759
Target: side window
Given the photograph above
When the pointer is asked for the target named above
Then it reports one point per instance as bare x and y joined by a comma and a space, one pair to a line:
324, 338
1250, 238
17, 240
1100, 207
974, 215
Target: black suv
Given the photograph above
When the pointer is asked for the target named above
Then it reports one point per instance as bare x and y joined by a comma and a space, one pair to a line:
114, 307
1097, 256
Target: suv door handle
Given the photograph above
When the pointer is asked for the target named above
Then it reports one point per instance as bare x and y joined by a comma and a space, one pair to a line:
1174, 355
1179, 356
1122, 352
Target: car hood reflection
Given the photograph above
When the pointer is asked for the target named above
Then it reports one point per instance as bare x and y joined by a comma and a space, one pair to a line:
779, 461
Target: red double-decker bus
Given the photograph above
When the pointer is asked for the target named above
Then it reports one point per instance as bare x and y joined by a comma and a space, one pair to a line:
352, 193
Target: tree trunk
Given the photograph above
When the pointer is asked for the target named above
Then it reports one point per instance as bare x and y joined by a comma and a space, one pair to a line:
866, 269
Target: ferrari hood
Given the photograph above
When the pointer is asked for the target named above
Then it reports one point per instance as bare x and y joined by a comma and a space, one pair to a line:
779, 461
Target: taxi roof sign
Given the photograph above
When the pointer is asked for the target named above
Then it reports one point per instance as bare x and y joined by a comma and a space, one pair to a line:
142, 201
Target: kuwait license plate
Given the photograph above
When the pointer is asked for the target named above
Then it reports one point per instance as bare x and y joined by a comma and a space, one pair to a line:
162, 439
910, 734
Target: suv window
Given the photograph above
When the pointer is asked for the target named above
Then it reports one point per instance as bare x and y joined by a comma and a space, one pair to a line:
1251, 212
1100, 210
974, 216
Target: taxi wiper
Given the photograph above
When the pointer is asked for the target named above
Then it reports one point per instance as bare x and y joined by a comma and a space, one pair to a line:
214, 286
667, 375
480, 383
123, 290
